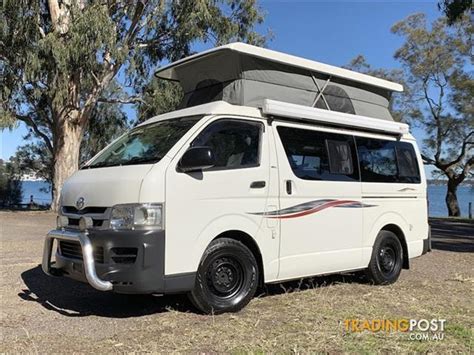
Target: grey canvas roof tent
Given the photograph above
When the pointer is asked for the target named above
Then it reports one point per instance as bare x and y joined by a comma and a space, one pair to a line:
246, 75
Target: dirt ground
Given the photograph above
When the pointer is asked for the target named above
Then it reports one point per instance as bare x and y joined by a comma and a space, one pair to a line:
46, 315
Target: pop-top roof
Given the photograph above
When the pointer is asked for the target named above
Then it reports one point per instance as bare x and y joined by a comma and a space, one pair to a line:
245, 75
169, 71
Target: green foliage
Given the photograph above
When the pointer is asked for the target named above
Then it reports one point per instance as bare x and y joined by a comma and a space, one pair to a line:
10, 184
435, 62
35, 157
438, 91
106, 123
454, 9
60, 59
159, 96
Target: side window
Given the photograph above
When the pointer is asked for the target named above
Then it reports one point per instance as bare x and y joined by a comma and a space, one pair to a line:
378, 161
316, 155
236, 144
340, 160
407, 163
387, 161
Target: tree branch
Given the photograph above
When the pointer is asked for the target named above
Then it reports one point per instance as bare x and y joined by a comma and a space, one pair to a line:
428, 160
125, 101
132, 31
29, 121
112, 69
466, 142
435, 114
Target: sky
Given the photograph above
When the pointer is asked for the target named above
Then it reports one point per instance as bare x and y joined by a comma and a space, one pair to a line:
331, 32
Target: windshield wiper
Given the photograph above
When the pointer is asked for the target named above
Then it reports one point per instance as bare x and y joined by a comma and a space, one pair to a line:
100, 165
132, 161
141, 160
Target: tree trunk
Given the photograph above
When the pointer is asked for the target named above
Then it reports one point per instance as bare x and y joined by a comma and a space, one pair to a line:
66, 156
452, 199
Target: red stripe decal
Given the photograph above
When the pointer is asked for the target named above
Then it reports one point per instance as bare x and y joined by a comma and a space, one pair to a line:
316, 209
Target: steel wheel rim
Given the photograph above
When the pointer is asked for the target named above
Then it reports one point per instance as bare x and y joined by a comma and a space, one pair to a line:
387, 259
225, 277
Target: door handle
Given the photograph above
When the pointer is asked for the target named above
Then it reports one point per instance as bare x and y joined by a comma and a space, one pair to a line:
289, 189
258, 185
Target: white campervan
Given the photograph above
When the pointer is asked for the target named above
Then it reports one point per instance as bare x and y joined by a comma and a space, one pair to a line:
275, 168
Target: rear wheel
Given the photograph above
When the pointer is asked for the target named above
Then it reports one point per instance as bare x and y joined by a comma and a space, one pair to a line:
227, 277
387, 259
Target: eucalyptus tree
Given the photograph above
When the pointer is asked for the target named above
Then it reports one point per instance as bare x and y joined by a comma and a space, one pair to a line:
437, 66
455, 9
57, 58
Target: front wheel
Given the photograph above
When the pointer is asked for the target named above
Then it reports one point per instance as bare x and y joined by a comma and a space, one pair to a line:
227, 277
387, 259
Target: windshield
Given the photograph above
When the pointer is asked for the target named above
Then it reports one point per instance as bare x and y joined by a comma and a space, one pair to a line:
145, 144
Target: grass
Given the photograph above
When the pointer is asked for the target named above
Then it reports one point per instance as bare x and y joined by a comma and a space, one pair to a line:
40, 314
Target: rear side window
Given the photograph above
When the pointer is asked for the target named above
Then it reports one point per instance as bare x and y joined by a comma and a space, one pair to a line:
387, 161
378, 160
315, 155
407, 163
236, 144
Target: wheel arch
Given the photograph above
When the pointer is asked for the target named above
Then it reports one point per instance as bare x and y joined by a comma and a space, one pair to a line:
395, 229
250, 243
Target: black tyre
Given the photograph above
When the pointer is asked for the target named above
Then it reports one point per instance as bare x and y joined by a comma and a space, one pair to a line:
227, 277
387, 259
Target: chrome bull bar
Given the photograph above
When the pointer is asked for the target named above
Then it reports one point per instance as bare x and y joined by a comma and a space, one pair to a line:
87, 255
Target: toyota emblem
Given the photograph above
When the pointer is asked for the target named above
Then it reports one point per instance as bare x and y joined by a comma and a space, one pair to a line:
80, 203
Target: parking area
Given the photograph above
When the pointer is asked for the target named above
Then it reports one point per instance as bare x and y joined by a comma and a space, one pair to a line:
42, 314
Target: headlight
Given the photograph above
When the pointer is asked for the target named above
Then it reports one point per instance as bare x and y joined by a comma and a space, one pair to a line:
132, 216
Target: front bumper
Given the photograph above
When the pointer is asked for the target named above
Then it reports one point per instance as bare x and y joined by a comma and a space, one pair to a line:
142, 273
87, 257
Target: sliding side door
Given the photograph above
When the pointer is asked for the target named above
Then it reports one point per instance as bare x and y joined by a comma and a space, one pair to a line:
320, 201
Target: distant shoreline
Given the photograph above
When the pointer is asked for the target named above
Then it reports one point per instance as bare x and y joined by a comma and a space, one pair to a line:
444, 182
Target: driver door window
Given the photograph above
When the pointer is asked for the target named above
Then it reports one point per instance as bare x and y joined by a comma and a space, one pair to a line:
236, 144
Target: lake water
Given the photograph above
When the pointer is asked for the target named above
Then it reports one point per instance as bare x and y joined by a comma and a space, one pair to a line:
41, 191
436, 195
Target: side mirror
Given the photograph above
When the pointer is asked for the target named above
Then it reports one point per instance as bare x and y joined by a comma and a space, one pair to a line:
196, 159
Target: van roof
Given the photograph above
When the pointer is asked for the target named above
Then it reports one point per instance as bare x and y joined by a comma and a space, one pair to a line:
284, 110
168, 72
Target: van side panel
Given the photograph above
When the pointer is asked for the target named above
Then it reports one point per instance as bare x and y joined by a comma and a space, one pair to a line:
401, 204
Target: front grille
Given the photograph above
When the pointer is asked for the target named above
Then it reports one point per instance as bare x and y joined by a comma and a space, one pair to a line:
87, 210
73, 250
99, 216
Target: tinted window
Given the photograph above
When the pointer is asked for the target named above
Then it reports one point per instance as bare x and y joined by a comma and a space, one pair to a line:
407, 163
236, 144
319, 156
378, 162
386, 161
340, 159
